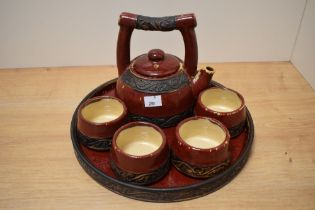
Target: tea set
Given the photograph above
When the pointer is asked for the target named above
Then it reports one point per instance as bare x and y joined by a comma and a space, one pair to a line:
157, 92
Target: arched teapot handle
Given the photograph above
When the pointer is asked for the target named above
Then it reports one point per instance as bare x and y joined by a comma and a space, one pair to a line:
184, 23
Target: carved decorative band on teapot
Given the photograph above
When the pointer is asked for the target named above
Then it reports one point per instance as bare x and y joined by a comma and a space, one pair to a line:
155, 86
167, 23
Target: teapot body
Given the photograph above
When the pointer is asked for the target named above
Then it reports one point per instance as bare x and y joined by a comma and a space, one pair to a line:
162, 101
158, 87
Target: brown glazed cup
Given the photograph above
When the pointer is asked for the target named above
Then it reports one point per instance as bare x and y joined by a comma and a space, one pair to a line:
98, 119
139, 153
201, 149
225, 105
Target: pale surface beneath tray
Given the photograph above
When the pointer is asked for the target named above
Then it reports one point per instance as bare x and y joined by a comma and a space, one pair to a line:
38, 168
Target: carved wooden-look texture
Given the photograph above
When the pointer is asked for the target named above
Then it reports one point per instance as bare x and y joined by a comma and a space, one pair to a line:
181, 187
184, 23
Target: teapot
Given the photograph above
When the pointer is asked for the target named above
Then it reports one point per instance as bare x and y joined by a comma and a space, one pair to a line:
159, 87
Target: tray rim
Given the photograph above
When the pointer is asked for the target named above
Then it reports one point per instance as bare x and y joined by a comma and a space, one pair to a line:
171, 194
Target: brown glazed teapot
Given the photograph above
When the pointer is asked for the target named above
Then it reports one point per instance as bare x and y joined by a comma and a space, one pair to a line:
158, 87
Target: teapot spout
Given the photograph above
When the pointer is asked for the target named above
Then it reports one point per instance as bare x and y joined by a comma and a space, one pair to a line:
201, 80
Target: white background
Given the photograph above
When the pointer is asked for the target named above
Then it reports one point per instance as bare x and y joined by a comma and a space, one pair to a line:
40, 33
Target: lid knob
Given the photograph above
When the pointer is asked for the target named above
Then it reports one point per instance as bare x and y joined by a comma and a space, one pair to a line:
156, 55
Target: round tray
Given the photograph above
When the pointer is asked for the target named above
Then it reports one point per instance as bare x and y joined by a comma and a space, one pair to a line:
174, 186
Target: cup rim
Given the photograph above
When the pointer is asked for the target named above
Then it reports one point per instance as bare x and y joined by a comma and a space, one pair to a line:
218, 112
98, 98
217, 122
133, 124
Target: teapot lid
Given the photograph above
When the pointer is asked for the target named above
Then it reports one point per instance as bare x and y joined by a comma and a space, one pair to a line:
156, 64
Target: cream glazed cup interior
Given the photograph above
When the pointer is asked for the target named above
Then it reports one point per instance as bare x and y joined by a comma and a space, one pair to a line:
103, 110
202, 133
221, 100
139, 140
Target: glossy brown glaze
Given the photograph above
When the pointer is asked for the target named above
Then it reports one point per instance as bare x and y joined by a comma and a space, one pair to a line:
185, 23
173, 82
197, 156
229, 119
139, 163
173, 102
201, 80
174, 186
156, 64
100, 130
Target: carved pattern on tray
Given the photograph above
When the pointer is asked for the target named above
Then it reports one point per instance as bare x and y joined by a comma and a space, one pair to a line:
156, 194
159, 196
